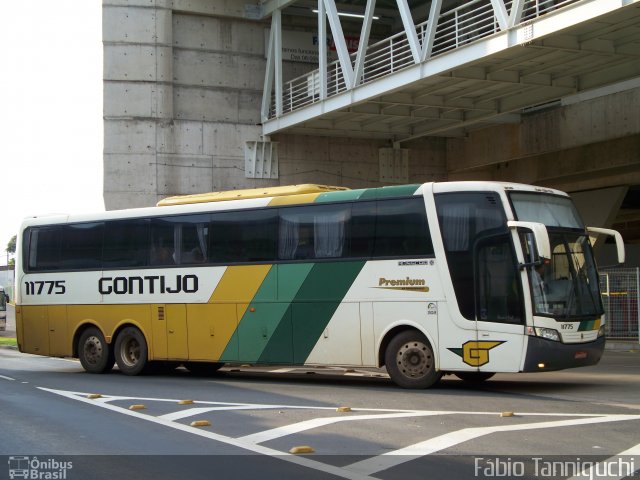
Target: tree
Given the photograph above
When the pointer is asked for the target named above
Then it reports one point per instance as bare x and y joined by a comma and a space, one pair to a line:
11, 250
11, 246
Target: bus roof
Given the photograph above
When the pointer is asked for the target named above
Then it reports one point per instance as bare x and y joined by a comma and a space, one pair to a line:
282, 191
274, 196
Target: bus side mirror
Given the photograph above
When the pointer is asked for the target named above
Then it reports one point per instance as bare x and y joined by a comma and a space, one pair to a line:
612, 233
540, 235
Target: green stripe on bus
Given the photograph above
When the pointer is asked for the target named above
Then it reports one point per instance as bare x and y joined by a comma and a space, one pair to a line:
271, 313
311, 310
587, 325
368, 193
341, 196
386, 192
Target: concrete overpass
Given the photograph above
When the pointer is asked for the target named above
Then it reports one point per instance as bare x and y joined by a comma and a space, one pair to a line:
205, 95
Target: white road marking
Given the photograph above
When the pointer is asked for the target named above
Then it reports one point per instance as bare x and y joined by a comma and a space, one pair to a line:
589, 473
302, 461
7, 378
274, 433
448, 440
190, 412
359, 470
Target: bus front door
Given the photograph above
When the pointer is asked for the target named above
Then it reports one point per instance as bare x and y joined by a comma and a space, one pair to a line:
499, 306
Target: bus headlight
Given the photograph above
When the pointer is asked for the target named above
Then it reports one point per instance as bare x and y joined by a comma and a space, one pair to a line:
548, 333
601, 331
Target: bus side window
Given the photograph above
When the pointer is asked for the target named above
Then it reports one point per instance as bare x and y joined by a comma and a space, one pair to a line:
314, 231
45, 248
243, 238
82, 246
162, 248
401, 229
363, 228
126, 244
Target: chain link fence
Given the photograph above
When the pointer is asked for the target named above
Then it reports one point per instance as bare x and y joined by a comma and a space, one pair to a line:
620, 294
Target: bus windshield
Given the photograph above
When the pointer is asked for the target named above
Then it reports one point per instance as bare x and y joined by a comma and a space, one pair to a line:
3, 301
567, 285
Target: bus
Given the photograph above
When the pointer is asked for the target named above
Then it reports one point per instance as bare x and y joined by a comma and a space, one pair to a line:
463, 278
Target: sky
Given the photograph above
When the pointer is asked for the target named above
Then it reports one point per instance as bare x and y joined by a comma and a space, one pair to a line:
51, 136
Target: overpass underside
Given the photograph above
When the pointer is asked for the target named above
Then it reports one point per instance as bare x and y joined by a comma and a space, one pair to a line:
533, 91
466, 67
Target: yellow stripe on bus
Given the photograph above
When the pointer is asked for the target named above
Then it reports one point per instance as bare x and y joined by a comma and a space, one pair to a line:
295, 199
211, 326
239, 284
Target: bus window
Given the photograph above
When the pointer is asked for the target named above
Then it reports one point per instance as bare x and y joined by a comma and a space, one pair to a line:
126, 244
498, 291
318, 231
162, 251
44, 248
464, 219
401, 229
182, 240
82, 246
249, 236
363, 228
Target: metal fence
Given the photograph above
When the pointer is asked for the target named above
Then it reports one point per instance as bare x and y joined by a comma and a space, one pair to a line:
457, 27
620, 296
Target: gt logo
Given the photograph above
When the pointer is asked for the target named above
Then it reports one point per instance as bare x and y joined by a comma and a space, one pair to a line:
475, 353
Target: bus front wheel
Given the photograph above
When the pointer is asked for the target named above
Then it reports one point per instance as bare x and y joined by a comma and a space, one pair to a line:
131, 351
94, 352
410, 361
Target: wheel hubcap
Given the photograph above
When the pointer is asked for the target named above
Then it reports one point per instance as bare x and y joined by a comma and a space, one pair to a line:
93, 350
414, 359
130, 352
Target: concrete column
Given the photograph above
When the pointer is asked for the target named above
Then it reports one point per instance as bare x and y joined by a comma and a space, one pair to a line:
138, 99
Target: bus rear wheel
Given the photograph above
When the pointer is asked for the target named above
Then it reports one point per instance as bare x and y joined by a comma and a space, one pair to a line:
131, 351
410, 361
94, 352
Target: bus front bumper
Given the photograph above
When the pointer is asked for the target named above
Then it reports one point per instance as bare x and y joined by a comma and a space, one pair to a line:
546, 355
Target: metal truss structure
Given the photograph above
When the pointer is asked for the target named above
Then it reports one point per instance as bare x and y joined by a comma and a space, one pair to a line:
468, 65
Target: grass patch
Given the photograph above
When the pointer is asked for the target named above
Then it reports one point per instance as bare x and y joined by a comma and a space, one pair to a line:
8, 341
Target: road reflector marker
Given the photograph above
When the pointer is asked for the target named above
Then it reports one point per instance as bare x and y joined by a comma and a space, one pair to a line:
506, 414
343, 409
201, 423
93, 396
137, 407
301, 449
185, 402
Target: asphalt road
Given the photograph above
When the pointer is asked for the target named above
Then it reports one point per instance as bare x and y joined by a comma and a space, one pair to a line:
49, 423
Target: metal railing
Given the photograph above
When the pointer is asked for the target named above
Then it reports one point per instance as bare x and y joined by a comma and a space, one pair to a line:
456, 27
620, 295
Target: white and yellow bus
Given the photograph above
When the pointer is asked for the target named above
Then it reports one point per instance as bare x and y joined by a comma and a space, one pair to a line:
469, 278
